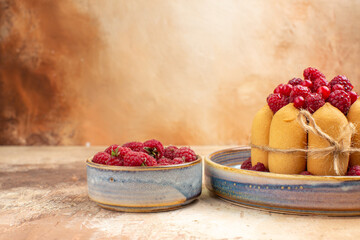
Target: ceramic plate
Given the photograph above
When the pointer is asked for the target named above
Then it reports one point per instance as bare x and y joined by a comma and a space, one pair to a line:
298, 194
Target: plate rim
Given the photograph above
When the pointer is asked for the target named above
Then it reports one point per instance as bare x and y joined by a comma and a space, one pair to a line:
213, 169
209, 162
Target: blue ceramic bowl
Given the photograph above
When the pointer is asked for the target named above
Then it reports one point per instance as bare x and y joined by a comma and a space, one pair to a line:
144, 189
298, 194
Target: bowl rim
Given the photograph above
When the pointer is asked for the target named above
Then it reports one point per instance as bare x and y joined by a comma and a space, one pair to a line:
90, 163
208, 161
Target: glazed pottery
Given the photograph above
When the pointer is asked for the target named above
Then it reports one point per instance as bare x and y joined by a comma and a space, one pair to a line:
144, 189
299, 194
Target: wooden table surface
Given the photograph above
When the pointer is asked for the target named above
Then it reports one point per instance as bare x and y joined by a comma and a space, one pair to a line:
43, 195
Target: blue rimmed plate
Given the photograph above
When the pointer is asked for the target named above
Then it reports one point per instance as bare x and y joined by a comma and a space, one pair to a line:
297, 194
144, 189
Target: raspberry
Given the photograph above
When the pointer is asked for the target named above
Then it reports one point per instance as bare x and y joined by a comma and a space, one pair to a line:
299, 90
313, 102
312, 74
324, 91
277, 101
337, 87
341, 100
286, 89
353, 96
186, 153
177, 161
305, 173
135, 146
164, 161
101, 157
354, 171
112, 150
307, 83
117, 154
283, 89
295, 81
115, 161
246, 164
154, 148
169, 152
342, 80
122, 151
139, 159
260, 167
319, 83
278, 88
299, 102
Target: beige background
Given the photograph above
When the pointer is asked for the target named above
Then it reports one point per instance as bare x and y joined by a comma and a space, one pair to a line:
184, 72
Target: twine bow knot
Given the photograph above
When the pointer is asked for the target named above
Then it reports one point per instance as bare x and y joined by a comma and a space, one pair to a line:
336, 147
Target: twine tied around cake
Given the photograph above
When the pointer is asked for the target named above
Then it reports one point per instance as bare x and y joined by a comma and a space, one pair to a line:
336, 147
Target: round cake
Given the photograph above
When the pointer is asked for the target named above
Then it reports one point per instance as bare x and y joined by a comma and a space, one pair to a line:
309, 126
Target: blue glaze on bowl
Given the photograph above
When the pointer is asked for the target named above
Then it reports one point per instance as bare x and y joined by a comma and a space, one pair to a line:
299, 194
144, 189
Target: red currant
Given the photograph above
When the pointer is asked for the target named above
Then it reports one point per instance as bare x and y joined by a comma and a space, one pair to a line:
299, 102
324, 91
353, 96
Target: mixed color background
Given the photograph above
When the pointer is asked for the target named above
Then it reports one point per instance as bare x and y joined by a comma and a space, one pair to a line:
184, 72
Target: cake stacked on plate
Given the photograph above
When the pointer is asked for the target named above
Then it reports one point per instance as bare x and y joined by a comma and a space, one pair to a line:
278, 138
